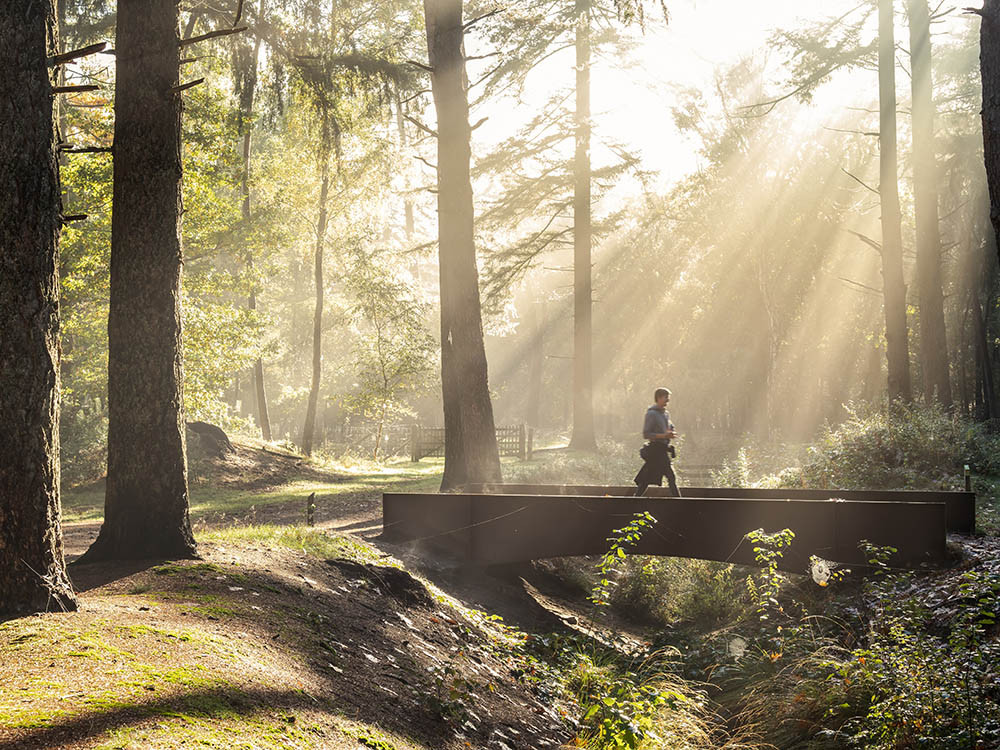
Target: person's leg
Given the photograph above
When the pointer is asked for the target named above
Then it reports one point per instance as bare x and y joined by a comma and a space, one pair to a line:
672, 480
642, 479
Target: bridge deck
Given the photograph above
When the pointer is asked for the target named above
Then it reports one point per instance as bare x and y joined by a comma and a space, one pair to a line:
504, 528
961, 506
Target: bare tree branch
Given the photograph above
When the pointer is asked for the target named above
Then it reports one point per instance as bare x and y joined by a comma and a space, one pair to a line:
211, 35
859, 181
76, 54
861, 287
422, 66
421, 126
469, 24
188, 85
876, 246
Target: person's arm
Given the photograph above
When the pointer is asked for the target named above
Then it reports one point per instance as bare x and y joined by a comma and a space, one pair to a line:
650, 425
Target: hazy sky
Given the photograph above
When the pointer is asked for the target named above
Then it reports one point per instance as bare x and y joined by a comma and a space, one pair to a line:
633, 102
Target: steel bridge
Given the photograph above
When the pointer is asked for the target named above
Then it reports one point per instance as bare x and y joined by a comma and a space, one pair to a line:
506, 523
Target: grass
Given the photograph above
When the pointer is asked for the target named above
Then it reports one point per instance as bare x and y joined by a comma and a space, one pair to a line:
312, 541
85, 504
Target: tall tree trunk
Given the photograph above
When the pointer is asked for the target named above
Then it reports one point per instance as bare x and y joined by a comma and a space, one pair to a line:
404, 141
873, 380
989, 67
933, 344
583, 376
470, 447
893, 285
536, 365
246, 128
985, 362
146, 502
32, 573
317, 359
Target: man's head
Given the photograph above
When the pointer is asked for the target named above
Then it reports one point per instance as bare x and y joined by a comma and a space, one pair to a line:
661, 396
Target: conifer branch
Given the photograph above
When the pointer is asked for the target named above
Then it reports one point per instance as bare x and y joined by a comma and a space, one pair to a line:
422, 66
76, 54
469, 24
185, 86
210, 35
420, 125
75, 89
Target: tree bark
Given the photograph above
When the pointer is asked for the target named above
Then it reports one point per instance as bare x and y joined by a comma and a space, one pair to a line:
989, 67
146, 502
991, 408
583, 437
933, 343
32, 572
471, 453
404, 142
894, 287
246, 128
317, 359
535, 367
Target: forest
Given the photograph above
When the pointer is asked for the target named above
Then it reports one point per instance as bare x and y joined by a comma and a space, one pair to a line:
268, 267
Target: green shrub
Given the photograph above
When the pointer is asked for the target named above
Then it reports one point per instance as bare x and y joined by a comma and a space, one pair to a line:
671, 590
928, 682
905, 446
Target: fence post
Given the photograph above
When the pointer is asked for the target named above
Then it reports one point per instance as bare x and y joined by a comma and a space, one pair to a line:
414, 431
521, 443
311, 510
968, 479
531, 442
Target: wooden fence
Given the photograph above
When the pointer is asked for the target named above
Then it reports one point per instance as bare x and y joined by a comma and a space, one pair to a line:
511, 441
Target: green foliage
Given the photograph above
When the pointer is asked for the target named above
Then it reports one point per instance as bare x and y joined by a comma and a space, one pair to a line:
669, 590
927, 679
452, 698
634, 700
877, 556
906, 446
768, 550
735, 473
394, 351
623, 714
621, 541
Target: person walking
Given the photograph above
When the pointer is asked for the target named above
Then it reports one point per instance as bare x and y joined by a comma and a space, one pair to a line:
659, 431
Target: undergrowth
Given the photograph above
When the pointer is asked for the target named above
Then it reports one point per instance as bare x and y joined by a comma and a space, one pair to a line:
905, 446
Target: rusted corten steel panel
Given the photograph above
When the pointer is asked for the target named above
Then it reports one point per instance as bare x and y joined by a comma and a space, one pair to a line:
961, 506
494, 529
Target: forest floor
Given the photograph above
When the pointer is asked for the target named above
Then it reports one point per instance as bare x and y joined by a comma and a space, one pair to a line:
288, 636
281, 635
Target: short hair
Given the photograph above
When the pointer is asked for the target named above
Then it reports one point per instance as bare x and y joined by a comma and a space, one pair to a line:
661, 392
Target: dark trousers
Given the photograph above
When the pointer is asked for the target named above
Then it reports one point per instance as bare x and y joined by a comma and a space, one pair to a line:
656, 466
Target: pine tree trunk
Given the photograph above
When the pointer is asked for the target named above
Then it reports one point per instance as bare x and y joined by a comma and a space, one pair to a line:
404, 142
246, 127
146, 502
893, 285
535, 372
989, 67
583, 376
32, 573
933, 344
471, 453
991, 409
873, 381
308, 431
